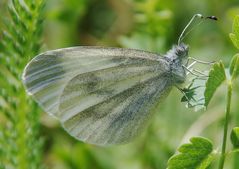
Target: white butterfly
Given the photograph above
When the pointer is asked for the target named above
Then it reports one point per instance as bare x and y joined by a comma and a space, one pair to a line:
103, 95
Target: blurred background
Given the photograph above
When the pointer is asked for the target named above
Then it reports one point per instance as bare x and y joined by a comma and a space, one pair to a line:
152, 25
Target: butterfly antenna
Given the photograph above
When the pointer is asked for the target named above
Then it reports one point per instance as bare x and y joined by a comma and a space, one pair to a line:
184, 33
186, 27
190, 30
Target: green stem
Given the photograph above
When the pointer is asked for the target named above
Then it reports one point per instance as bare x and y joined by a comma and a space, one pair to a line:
223, 154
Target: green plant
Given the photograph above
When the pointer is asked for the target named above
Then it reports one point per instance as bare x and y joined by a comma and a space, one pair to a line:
20, 146
199, 153
148, 33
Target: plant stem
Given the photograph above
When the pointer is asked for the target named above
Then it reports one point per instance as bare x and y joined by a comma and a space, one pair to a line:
228, 106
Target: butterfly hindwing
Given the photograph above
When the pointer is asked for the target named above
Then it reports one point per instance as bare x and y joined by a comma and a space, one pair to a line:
119, 117
84, 83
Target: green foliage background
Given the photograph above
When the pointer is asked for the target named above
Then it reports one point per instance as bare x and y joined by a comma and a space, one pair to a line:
29, 138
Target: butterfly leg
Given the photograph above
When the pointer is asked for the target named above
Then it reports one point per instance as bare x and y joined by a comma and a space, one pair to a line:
199, 72
193, 72
200, 61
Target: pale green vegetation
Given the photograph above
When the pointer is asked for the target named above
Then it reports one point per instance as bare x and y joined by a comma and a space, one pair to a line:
29, 138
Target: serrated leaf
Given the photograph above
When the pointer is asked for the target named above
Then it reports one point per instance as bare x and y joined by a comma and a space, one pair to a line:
234, 40
235, 26
206, 162
194, 93
235, 137
234, 66
194, 155
217, 76
235, 32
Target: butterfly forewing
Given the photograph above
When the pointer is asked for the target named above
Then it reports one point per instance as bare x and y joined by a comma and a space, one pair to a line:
90, 89
118, 118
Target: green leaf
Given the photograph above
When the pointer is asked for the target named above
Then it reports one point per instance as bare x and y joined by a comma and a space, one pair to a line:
217, 76
20, 39
235, 32
234, 39
193, 94
234, 66
235, 137
194, 155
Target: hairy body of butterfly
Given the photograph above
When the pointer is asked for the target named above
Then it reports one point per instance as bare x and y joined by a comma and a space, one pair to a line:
103, 95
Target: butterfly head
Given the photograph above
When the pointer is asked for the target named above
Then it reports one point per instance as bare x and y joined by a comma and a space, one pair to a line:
181, 50
178, 52
175, 56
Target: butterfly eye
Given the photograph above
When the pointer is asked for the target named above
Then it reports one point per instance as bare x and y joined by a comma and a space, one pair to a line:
182, 51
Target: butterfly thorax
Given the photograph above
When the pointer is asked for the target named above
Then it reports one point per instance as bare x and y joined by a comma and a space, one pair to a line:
175, 57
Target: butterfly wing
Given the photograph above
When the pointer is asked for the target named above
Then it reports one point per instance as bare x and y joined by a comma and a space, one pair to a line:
114, 115
101, 95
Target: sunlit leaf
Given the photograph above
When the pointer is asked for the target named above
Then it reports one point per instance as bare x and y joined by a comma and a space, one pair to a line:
235, 32
217, 76
234, 40
234, 66
195, 155
235, 137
